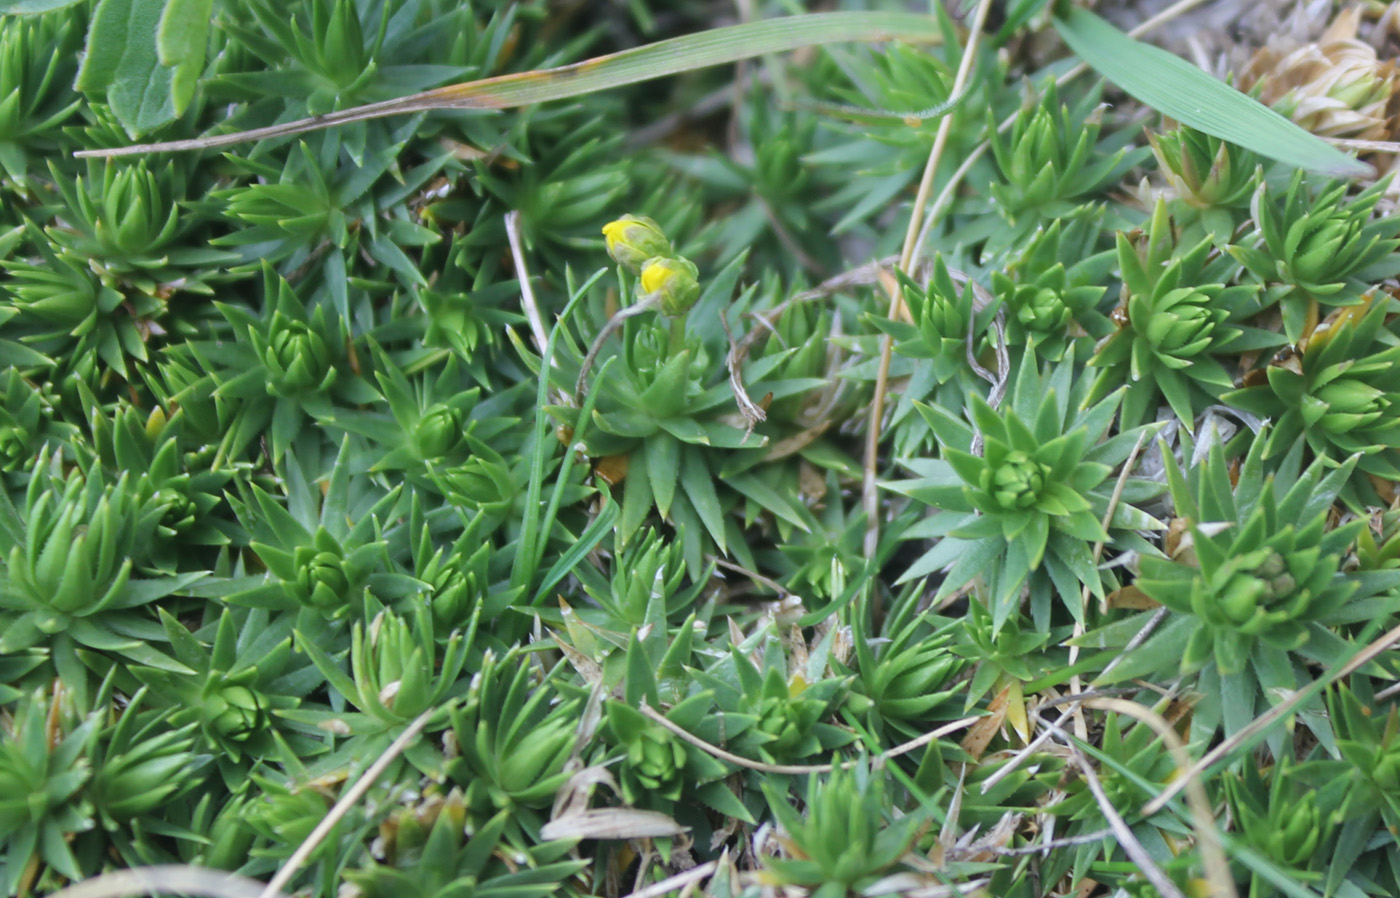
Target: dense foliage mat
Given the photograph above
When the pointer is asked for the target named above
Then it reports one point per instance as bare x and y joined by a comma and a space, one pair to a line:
525, 452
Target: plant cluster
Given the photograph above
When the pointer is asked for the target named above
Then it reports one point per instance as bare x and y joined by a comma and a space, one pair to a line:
312, 440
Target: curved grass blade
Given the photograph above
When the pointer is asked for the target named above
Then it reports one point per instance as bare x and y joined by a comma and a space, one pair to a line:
681, 54
1176, 88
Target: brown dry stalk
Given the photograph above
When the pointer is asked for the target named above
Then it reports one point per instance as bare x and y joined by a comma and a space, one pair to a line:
346, 802
1203, 818
1126, 838
167, 879
870, 491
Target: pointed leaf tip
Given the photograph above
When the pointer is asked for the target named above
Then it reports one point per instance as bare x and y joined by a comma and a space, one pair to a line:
1176, 88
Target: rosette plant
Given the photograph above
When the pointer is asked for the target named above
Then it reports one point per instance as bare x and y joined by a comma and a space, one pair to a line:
43, 805
1030, 505
432, 851
1254, 575
885, 123
1324, 248
903, 684
1370, 747
465, 310
1050, 157
1378, 543
126, 440
325, 552
60, 310
660, 412
513, 740
778, 486
1212, 179
1356, 784
1051, 288
398, 669
1006, 655
1339, 395
289, 366
848, 838
126, 223
464, 580
661, 771
140, 763
239, 669
767, 712
1280, 817
430, 424
931, 349
647, 586
326, 53
1134, 764
646, 409
70, 581
1176, 318
27, 420
320, 198
37, 56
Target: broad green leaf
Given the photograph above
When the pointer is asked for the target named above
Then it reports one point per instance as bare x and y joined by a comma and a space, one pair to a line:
1178, 89
669, 57
181, 41
33, 7
122, 64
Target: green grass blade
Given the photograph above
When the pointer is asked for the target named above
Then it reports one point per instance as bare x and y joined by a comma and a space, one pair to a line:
1176, 88
669, 57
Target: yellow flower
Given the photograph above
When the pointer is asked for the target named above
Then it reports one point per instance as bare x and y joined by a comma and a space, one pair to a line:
633, 239
677, 281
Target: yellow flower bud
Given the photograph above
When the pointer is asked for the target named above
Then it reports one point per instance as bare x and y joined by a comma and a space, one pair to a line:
676, 280
633, 239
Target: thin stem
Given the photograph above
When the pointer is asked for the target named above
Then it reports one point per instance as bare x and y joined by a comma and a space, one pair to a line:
870, 493
1207, 834
527, 292
346, 802
676, 344
946, 194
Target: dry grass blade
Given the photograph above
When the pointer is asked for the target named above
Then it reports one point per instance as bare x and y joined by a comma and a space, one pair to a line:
669, 57
1207, 836
1066, 842
169, 879
346, 802
870, 490
1124, 833
734, 362
612, 823
527, 291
